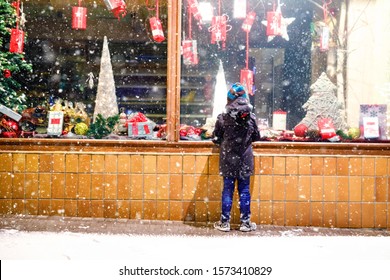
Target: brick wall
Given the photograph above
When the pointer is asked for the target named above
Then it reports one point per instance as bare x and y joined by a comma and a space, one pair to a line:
305, 190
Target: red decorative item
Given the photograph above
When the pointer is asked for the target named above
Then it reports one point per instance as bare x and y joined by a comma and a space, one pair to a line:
326, 128
9, 128
246, 79
194, 8
300, 130
17, 41
17, 36
157, 31
79, 17
274, 23
325, 32
248, 22
218, 29
117, 7
156, 26
190, 52
7, 73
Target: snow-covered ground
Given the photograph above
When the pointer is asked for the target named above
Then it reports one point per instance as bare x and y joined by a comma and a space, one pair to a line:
102, 256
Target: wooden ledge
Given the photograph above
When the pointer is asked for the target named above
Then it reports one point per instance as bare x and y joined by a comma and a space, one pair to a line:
197, 147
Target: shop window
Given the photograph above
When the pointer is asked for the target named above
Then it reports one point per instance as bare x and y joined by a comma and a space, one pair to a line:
67, 61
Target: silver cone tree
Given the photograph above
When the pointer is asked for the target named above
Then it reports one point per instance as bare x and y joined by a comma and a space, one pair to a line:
106, 101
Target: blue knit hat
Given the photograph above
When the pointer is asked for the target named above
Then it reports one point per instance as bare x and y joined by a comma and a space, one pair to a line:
237, 90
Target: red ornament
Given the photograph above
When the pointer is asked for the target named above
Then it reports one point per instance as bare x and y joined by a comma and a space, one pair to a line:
194, 8
79, 17
274, 23
190, 52
246, 79
326, 128
300, 130
248, 22
17, 41
7, 73
157, 31
218, 29
117, 7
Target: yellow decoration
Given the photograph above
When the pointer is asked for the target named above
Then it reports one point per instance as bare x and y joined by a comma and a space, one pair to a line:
354, 132
81, 128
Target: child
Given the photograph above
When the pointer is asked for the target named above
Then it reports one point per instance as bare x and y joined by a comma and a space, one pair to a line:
235, 131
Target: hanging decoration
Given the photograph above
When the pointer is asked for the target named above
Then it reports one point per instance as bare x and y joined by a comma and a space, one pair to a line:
219, 28
189, 46
248, 22
17, 35
155, 25
246, 75
117, 7
79, 17
239, 9
194, 10
325, 31
276, 24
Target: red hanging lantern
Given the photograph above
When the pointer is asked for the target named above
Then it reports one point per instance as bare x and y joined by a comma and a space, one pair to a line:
274, 23
246, 79
117, 7
79, 17
17, 41
218, 29
194, 8
156, 26
157, 31
248, 22
190, 52
17, 36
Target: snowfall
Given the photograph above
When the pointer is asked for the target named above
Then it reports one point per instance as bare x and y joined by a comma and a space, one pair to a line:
67, 255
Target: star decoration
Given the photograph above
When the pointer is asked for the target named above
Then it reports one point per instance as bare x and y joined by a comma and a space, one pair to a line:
285, 22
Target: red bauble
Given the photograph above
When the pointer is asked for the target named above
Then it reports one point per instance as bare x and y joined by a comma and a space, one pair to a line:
13, 125
7, 73
300, 130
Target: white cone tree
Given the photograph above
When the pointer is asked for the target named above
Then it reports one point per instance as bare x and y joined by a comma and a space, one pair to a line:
106, 103
220, 92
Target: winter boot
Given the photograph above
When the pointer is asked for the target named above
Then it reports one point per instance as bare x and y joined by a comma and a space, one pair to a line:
247, 226
222, 226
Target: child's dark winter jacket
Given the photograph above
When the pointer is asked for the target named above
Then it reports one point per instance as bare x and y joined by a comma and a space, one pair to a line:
235, 131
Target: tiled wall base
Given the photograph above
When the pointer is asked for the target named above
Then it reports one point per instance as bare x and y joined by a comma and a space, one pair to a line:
303, 190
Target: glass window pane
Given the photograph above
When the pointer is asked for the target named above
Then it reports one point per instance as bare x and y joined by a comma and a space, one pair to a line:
288, 49
67, 61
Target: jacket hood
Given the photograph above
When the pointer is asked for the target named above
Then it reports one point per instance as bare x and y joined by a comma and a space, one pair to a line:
238, 107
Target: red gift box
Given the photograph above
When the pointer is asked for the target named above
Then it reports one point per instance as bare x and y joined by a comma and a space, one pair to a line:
326, 128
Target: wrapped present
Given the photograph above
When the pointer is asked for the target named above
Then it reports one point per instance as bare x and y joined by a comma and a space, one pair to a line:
326, 128
139, 126
378, 111
140, 129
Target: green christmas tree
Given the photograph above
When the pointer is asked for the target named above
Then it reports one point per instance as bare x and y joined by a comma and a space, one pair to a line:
12, 65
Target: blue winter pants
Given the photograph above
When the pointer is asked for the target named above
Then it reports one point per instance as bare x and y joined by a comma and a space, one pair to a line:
227, 198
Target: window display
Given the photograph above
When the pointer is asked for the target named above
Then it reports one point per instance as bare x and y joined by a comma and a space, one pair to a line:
110, 58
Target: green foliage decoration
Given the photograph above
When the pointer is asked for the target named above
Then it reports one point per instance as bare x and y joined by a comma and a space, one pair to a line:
11, 93
102, 127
